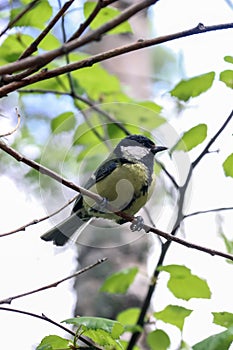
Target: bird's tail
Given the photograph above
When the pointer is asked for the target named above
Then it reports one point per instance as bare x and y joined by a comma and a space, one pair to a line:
61, 233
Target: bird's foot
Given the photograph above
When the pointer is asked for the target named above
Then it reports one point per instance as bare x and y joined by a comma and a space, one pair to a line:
102, 205
137, 224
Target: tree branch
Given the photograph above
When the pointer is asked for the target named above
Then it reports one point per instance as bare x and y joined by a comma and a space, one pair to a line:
20, 15
36, 221
99, 6
90, 61
41, 60
15, 128
207, 211
206, 149
98, 199
45, 318
54, 284
34, 45
85, 100
171, 237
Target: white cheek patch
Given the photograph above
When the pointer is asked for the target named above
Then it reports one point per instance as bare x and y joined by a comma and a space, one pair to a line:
134, 152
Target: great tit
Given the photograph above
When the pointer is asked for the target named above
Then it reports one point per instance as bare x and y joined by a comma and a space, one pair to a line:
125, 180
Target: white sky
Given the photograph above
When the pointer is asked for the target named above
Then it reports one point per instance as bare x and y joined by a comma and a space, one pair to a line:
36, 263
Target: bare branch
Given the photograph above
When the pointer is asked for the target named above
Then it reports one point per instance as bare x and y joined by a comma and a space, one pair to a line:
206, 149
15, 128
54, 284
90, 61
99, 6
34, 45
36, 221
45, 318
85, 100
207, 211
43, 170
20, 15
41, 60
168, 174
99, 199
171, 237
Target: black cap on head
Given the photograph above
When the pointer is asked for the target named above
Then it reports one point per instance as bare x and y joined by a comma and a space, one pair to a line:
141, 140
145, 142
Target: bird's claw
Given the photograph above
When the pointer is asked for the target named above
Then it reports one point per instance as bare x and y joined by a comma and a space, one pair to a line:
137, 224
103, 204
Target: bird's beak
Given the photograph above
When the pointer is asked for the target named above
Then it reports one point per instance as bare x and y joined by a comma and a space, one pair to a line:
157, 149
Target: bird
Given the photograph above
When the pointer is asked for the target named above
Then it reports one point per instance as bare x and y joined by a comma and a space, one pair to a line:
125, 180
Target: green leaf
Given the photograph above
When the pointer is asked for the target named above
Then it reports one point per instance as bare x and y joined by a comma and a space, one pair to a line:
228, 166
193, 87
36, 17
228, 59
53, 342
85, 133
228, 244
158, 340
50, 42
103, 338
143, 115
13, 46
224, 319
184, 285
114, 328
51, 84
125, 344
226, 77
129, 319
129, 316
191, 138
120, 281
105, 15
185, 346
63, 122
220, 341
174, 315
95, 80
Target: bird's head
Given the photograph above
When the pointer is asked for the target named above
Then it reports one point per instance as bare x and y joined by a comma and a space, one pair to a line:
136, 147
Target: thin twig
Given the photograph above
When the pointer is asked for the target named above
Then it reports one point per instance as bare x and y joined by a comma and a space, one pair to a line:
63, 30
168, 174
36, 221
207, 211
83, 26
46, 171
19, 16
54, 284
47, 319
34, 45
85, 100
206, 149
15, 128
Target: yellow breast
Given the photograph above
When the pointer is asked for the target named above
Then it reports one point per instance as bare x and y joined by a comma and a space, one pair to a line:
123, 189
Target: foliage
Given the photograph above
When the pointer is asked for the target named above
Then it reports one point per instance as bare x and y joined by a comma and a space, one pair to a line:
98, 112
120, 281
180, 278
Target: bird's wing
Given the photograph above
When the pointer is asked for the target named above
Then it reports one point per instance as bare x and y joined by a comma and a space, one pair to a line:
104, 170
